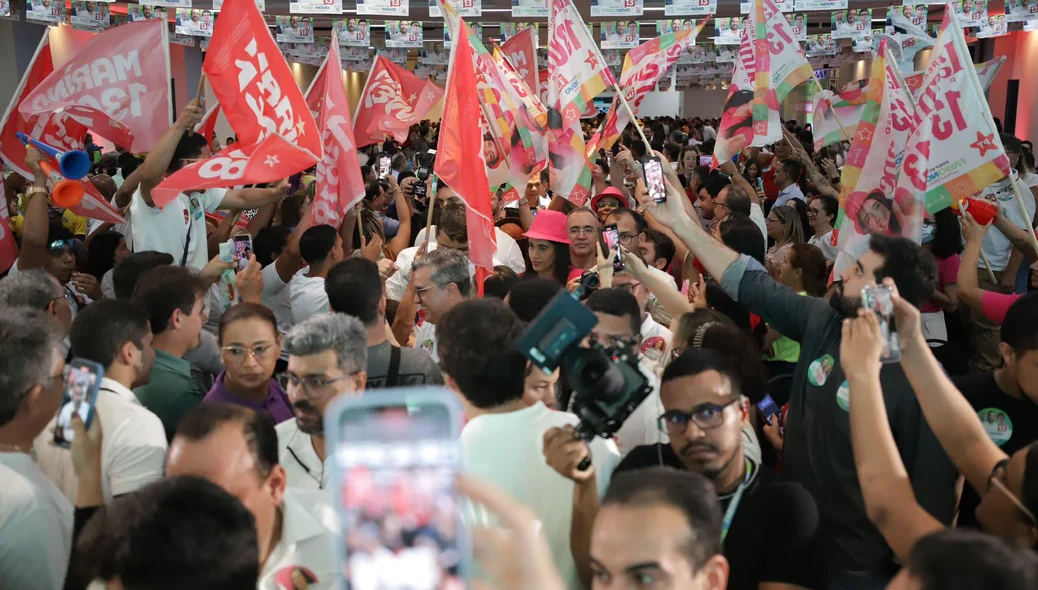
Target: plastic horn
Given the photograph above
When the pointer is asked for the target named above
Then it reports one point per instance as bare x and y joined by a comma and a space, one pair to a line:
73, 164
66, 193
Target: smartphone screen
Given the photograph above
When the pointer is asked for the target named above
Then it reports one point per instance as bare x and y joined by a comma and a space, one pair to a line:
242, 250
611, 235
768, 409
879, 298
82, 380
706, 160
383, 166
654, 183
399, 510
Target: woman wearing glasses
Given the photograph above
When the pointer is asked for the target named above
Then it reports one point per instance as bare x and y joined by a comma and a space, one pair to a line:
1008, 485
249, 350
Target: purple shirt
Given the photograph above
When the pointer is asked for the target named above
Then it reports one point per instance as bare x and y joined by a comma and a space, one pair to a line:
276, 403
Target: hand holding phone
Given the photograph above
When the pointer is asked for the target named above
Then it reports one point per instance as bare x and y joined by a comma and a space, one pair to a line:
879, 298
768, 409
242, 250
706, 161
384, 162
654, 182
82, 381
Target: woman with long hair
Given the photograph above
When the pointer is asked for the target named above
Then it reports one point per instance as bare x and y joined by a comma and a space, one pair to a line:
104, 251
784, 229
821, 215
549, 248
804, 271
687, 162
942, 237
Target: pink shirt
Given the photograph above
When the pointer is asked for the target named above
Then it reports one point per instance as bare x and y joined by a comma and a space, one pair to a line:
947, 274
996, 305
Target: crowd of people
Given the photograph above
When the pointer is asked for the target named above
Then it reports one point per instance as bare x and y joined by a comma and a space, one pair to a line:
206, 464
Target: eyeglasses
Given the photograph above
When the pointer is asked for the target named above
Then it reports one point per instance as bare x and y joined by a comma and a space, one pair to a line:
421, 291
238, 354
587, 229
995, 480
812, 211
312, 385
625, 238
704, 416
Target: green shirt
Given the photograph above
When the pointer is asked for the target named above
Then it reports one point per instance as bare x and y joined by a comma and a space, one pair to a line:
785, 348
171, 392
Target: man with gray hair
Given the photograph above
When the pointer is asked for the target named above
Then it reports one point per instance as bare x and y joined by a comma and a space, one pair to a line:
441, 280
34, 515
327, 356
38, 289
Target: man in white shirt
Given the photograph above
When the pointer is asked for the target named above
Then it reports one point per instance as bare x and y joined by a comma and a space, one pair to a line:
786, 176
502, 441
321, 248
655, 341
179, 227
327, 357
35, 518
440, 280
236, 448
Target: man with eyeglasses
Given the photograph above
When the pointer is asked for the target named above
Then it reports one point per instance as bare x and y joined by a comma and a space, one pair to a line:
327, 357
770, 525
582, 227
440, 280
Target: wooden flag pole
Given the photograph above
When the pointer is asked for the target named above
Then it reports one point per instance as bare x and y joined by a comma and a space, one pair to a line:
431, 200
987, 265
1023, 211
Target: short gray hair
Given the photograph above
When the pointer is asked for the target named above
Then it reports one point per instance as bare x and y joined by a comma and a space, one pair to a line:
29, 350
34, 288
344, 334
448, 266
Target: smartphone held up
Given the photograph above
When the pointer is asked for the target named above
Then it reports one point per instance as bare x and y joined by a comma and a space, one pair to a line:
654, 181
82, 381
880, 299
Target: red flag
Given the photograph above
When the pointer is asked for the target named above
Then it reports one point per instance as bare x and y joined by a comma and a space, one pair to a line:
460, 163
252, 82
117, 85
95, 206
51, 129
207, 126
393, 99
339, 182
8, 247
521, 51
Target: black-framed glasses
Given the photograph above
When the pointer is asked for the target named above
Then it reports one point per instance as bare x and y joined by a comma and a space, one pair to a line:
312, 386
705, 416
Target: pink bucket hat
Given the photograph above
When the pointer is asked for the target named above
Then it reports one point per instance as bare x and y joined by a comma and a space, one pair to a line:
549, 225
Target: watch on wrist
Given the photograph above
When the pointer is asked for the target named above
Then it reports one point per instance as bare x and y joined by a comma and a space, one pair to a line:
37, 190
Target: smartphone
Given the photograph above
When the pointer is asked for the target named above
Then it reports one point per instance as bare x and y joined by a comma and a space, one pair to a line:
82, 380
394, 460
879, 298
383, 166
768, 409
652, 168
612, 236
706, 161
242, 250
760, 185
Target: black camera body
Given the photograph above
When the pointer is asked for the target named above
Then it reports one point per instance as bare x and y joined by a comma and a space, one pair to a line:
425, 163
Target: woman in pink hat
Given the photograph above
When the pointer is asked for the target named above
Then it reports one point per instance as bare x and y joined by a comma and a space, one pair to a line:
549, 248
606, 202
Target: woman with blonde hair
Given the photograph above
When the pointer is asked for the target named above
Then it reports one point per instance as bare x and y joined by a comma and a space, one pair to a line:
785, 229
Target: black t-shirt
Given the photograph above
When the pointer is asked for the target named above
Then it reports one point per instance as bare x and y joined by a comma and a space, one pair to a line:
774, 535
1011, 423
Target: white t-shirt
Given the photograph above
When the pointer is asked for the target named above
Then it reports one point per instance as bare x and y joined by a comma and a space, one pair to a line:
507, 450
307, 295
35, 526
303, 468
167, 229
826, 243
309, 539
642, 426
508, 251
425, 339
996, 247
276, 297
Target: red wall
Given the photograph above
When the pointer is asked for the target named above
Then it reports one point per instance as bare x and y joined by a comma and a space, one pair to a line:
1021, 51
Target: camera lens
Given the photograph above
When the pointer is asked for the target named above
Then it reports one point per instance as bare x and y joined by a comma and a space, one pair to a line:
591, 373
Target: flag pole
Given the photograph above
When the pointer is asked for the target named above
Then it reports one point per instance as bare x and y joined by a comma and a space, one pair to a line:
198, 95
987, 265
634, 119
843, 130
1023, 211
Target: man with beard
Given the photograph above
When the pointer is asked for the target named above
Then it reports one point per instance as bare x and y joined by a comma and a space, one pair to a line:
817, 450
327, 356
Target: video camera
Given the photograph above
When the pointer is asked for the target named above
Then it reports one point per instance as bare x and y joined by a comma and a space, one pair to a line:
424, 164
606, 382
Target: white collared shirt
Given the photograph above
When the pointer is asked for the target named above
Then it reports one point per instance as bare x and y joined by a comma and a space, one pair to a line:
787, 194
308, 544
303, 468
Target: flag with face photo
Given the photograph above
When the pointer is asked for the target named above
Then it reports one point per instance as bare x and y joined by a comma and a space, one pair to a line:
460, 163
831, 109
954, 150
277, 134
117, 85
528, 142
643, 67
393, 99
905, 38
577, 73
769, 65
339, 183
872, 165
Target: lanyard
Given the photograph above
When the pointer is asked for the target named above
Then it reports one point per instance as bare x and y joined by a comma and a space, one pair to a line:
733, 505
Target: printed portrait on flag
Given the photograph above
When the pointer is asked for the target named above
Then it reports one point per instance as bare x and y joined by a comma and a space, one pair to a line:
49, 12
477, 30
89, 16
729, 30
195, 22
620, 35
294, 29
1021, 10
139, 12
402, 33
352, 32
521, 8
739, 109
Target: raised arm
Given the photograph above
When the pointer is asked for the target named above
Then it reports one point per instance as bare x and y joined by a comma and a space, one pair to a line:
885, 485
154, 167
254, 198
402, 239
290, 260
967, 281
35, 226
666, 293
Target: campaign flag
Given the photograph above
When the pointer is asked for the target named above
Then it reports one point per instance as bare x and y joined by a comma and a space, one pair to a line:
117, 85
51, 128
769, 65
393, 99
277, 134
954, 150
460, 163
339, 182
95, 206
986, 72
643, 67
845, 106
8, 247
577, 73
207, 126
906, 38
529, 142
521, 52
870, 172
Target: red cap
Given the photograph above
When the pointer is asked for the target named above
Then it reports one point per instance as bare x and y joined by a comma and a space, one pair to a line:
549, 225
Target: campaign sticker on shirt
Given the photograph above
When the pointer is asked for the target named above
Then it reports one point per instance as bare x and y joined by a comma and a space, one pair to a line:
427, 345
295, 577
654, 347
997, 424
843, 396
818, 371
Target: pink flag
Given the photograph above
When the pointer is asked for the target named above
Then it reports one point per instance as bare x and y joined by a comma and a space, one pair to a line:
954, 150
117, 86
95, 206
521, 51
8, 247
52, 129
339, 182
277, 134
393, 99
